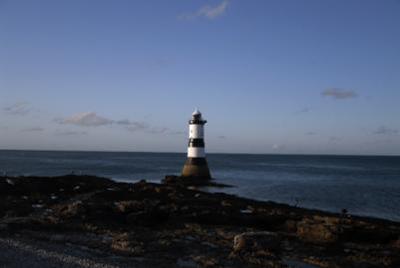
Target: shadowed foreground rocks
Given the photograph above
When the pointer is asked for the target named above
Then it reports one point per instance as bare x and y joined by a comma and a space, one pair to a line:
167, 225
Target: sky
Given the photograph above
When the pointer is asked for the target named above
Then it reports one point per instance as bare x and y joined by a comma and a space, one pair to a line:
285, 77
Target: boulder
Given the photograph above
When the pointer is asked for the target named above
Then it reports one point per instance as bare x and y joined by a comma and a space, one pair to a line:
128, 206
72, 210
318, 230
256, 242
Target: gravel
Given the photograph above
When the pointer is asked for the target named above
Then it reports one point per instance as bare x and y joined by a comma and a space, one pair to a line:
16, 252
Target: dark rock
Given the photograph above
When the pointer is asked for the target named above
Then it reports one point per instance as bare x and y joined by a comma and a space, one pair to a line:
171, 224
149, 217
259, 248
192, 182
127, 245
256, 242
321, 230
396, 244
129, 206
72, 210
368, 234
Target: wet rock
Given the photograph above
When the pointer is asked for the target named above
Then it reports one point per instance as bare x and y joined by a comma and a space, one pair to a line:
126, 244
206, 261
323, 230
396, 244
290, 226
255, 242
192, 182
149, 217
186, 263
72, 210
129, 206
182, 227
368, 234
3, 227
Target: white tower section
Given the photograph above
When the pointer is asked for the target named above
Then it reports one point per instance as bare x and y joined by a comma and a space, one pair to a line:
196, 136
196, 132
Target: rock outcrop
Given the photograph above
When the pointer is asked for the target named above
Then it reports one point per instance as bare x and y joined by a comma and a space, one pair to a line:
170, 225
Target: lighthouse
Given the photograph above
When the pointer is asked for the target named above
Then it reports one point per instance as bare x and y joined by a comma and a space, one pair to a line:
196, 163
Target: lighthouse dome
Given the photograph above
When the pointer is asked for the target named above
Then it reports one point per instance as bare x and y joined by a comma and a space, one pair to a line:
196, 112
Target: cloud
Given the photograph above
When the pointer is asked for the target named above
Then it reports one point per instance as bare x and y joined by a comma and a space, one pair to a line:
141, 126
89, 119
19, 108
207, 11
339, 94
137, 126
134, 126
382, 130
33, 129
123, 122
70, 133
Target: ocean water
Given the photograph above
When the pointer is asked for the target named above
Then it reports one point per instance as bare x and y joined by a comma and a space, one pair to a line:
364, 185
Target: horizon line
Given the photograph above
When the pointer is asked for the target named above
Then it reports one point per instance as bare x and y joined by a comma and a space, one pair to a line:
209, 153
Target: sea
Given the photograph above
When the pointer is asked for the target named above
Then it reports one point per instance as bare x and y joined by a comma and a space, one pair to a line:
363, 185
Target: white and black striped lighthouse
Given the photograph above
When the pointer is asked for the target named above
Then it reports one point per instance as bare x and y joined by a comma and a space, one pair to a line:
196, 164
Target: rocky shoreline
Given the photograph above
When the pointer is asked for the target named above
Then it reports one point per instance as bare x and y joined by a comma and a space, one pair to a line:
169, 225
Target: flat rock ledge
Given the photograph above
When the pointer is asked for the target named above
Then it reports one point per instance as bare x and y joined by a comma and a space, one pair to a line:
193, 182
112, 224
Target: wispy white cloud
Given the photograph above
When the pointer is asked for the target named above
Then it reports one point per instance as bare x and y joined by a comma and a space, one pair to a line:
207, 11
383, 130
339, 94
91, 119
137, 126
19, 108
144, 127
88, 119
134, 126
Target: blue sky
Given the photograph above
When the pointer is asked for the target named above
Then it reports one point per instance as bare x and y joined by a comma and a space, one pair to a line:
270, 76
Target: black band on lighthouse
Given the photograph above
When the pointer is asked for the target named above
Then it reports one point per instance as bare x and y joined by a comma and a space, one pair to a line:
197, 122
198, 161
196, 143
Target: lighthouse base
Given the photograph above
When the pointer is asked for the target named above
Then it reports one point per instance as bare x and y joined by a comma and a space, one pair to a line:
196, 168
